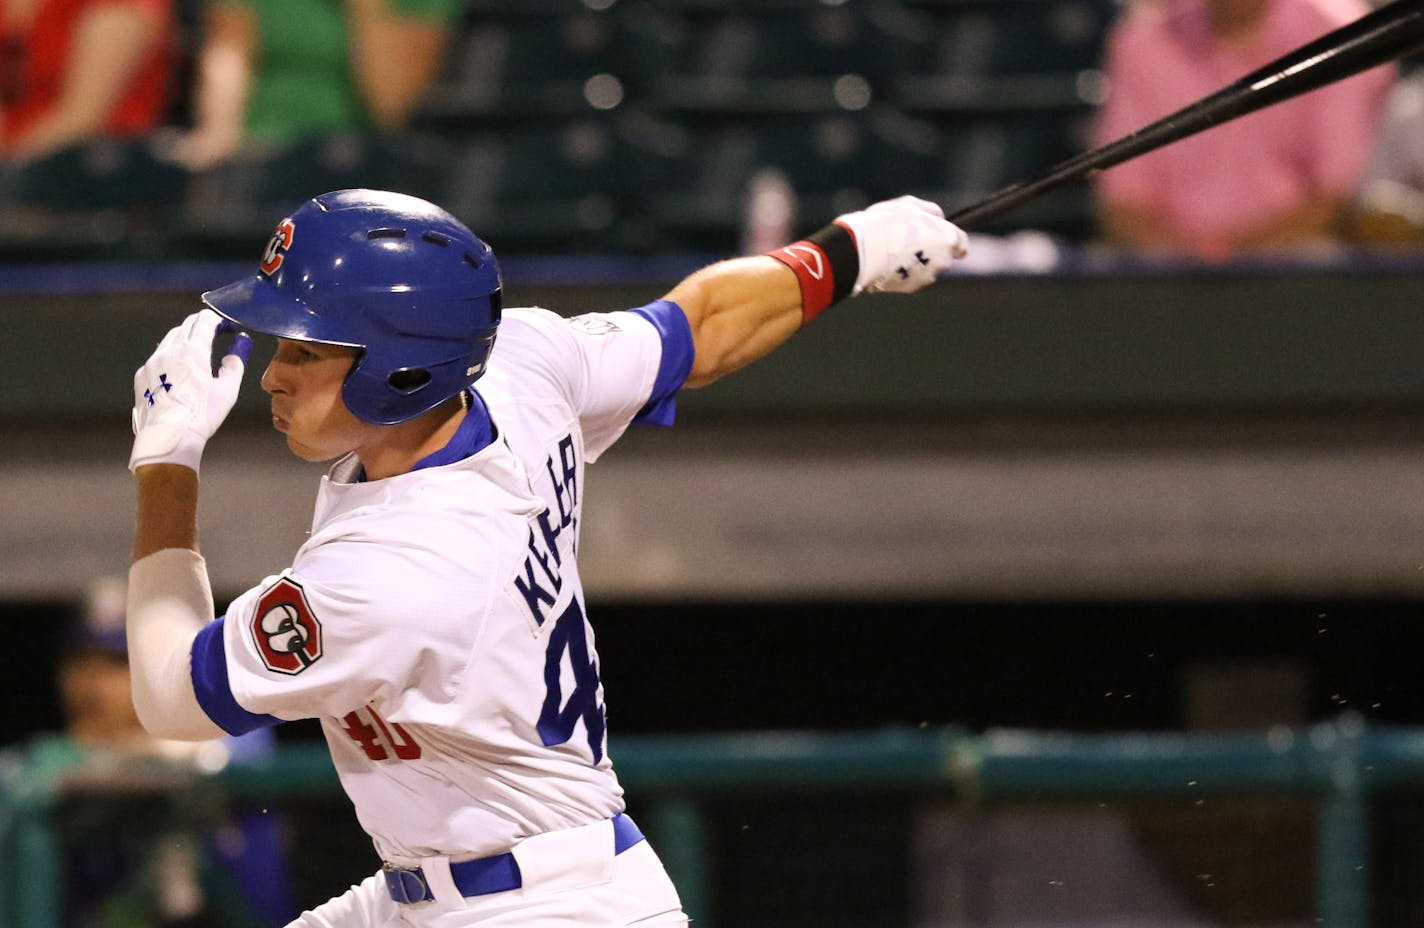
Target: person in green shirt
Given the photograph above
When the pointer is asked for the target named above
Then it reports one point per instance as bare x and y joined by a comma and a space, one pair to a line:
274, 72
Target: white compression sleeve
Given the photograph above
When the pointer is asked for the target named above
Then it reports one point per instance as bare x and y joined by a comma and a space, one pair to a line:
168, 602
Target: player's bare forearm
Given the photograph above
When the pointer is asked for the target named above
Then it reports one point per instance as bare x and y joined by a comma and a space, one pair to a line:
743, 309
169, 600
179, 402
167, 509
739, 310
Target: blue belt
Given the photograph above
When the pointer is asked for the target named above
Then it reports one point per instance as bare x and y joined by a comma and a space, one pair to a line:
486, 875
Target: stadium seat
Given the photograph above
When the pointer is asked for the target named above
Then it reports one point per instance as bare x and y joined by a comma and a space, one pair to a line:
1008, 55
768, 61
110, 198
231, 209
570, 186
1011, 36
983, 156
101, 175
528, 64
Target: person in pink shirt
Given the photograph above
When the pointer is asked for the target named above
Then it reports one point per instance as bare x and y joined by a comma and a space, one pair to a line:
1280, 177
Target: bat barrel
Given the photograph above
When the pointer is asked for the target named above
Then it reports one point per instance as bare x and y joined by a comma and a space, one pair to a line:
1384, 35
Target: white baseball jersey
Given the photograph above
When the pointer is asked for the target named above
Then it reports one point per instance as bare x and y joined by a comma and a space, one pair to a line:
435, 621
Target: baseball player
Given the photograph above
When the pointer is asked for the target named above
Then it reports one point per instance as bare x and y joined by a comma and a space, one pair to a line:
434, 621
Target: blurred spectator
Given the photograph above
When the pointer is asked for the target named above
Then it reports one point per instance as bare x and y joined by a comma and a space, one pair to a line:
272, 72
1391, 205
134, 863
769, 211
76, 70
1277, 178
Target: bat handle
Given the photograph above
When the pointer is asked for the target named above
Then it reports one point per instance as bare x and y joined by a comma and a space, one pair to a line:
997, 203
1014, 195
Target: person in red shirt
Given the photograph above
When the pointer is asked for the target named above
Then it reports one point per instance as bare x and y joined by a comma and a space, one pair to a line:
75, 70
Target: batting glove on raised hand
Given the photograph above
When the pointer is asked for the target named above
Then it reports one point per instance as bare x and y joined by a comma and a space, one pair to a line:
903, 244
178, 401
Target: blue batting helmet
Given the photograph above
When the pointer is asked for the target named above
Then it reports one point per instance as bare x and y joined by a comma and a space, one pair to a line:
392, 275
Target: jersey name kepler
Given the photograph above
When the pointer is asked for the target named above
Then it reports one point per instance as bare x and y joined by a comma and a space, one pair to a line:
540, 582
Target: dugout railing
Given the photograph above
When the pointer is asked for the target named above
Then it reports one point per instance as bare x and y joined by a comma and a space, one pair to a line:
1337, 765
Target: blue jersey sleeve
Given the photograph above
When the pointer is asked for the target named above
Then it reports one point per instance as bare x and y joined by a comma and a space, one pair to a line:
211, 686
675, 365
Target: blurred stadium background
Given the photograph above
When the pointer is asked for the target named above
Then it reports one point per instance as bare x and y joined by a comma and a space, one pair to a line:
1078, 591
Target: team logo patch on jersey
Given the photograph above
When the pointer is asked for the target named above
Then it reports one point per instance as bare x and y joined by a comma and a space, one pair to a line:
285, 629
594, 324
276, 251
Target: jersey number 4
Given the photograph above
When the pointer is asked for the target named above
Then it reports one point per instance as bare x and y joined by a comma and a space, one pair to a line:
568, 647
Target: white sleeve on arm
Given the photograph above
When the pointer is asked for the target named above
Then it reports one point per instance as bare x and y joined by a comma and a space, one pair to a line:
168, 602
633, 362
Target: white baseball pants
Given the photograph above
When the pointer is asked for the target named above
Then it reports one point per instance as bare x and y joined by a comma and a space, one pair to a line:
570, 878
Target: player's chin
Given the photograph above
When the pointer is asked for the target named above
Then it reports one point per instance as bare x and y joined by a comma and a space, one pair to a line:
303, 450
311, 453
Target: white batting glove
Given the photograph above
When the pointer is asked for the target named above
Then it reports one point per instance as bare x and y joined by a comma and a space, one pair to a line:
904, 244
178, 401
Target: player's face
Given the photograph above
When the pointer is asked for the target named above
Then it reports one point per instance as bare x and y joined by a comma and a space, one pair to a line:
304, 379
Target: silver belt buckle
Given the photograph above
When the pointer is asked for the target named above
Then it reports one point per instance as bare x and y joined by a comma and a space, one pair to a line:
406, 885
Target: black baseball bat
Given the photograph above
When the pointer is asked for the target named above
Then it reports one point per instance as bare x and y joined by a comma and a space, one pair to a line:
1390, 32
